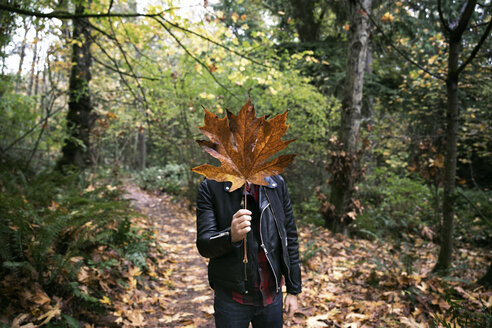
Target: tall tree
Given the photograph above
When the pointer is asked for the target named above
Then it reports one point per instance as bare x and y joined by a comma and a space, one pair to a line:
22, 53
454, 31
77, 144
338, 216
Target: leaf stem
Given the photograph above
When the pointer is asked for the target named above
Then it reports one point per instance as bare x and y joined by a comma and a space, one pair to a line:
245, 259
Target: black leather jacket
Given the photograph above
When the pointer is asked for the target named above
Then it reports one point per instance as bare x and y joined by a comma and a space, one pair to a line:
278, 234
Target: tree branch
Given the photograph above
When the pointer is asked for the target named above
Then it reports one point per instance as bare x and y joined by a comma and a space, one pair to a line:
441, 17
195, 58
125, 82
130, 66
464, 17
68, 15
477, 47
400, 52
116, 70
28, 132
214, 42
110, 7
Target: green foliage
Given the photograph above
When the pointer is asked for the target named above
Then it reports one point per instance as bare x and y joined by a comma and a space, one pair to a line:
27, 133
55, 228
396, 205
170, 179
310, 251
393, 204
473, 210
307, 212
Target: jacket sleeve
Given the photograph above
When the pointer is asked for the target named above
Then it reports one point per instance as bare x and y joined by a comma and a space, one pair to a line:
293, 283
210, 241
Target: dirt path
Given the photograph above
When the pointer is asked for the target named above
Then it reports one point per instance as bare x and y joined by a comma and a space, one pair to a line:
178, 295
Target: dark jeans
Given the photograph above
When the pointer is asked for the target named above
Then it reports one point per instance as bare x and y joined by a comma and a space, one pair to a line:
230, 314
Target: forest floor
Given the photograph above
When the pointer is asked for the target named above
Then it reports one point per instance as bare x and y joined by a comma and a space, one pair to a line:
347, 283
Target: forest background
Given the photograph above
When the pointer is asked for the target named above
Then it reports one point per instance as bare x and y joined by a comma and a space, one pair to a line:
390, 102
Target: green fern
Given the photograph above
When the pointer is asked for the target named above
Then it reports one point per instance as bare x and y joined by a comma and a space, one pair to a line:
48, 219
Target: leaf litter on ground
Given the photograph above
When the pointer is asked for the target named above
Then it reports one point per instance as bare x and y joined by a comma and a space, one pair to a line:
346, 282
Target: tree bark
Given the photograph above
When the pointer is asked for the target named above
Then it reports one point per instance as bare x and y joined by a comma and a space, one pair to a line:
141, 149
34, 63
22, 55
447, 228
454, 33
77, 144
343, 182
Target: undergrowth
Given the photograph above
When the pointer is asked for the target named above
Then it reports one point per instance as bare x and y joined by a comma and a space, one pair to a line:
64, 243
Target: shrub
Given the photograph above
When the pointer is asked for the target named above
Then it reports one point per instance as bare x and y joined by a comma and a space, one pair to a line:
473, 209
170, 178
393, 205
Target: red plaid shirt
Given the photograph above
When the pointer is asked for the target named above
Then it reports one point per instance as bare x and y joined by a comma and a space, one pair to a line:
265, 289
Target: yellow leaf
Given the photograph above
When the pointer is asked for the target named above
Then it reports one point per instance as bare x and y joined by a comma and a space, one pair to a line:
54, 312
105, 300
112, 116
41, 297
387, 18
432, 59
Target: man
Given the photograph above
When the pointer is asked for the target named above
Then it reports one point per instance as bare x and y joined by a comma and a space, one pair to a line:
252, 291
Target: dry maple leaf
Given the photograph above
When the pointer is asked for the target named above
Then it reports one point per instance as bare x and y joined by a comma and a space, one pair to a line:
243, 144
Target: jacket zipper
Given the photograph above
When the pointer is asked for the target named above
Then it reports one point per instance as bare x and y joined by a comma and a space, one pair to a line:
263, 244
280, 235
222, 234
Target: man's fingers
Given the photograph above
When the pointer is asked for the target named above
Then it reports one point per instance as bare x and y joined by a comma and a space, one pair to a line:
245, 223
241, 212
291, 305
241, 224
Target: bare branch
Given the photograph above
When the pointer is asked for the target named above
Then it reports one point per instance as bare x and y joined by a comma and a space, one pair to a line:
399, 51
31, 130
68, 15
110, 6
463, 19
130, 66
477, 47
441, 17
194, 57
116, 70
214, 42
115, 63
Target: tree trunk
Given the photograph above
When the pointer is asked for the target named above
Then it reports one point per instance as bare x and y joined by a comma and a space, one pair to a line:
447, 228
77, 144
141, 151
343, 182
454, 33
22, 55
34, 62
